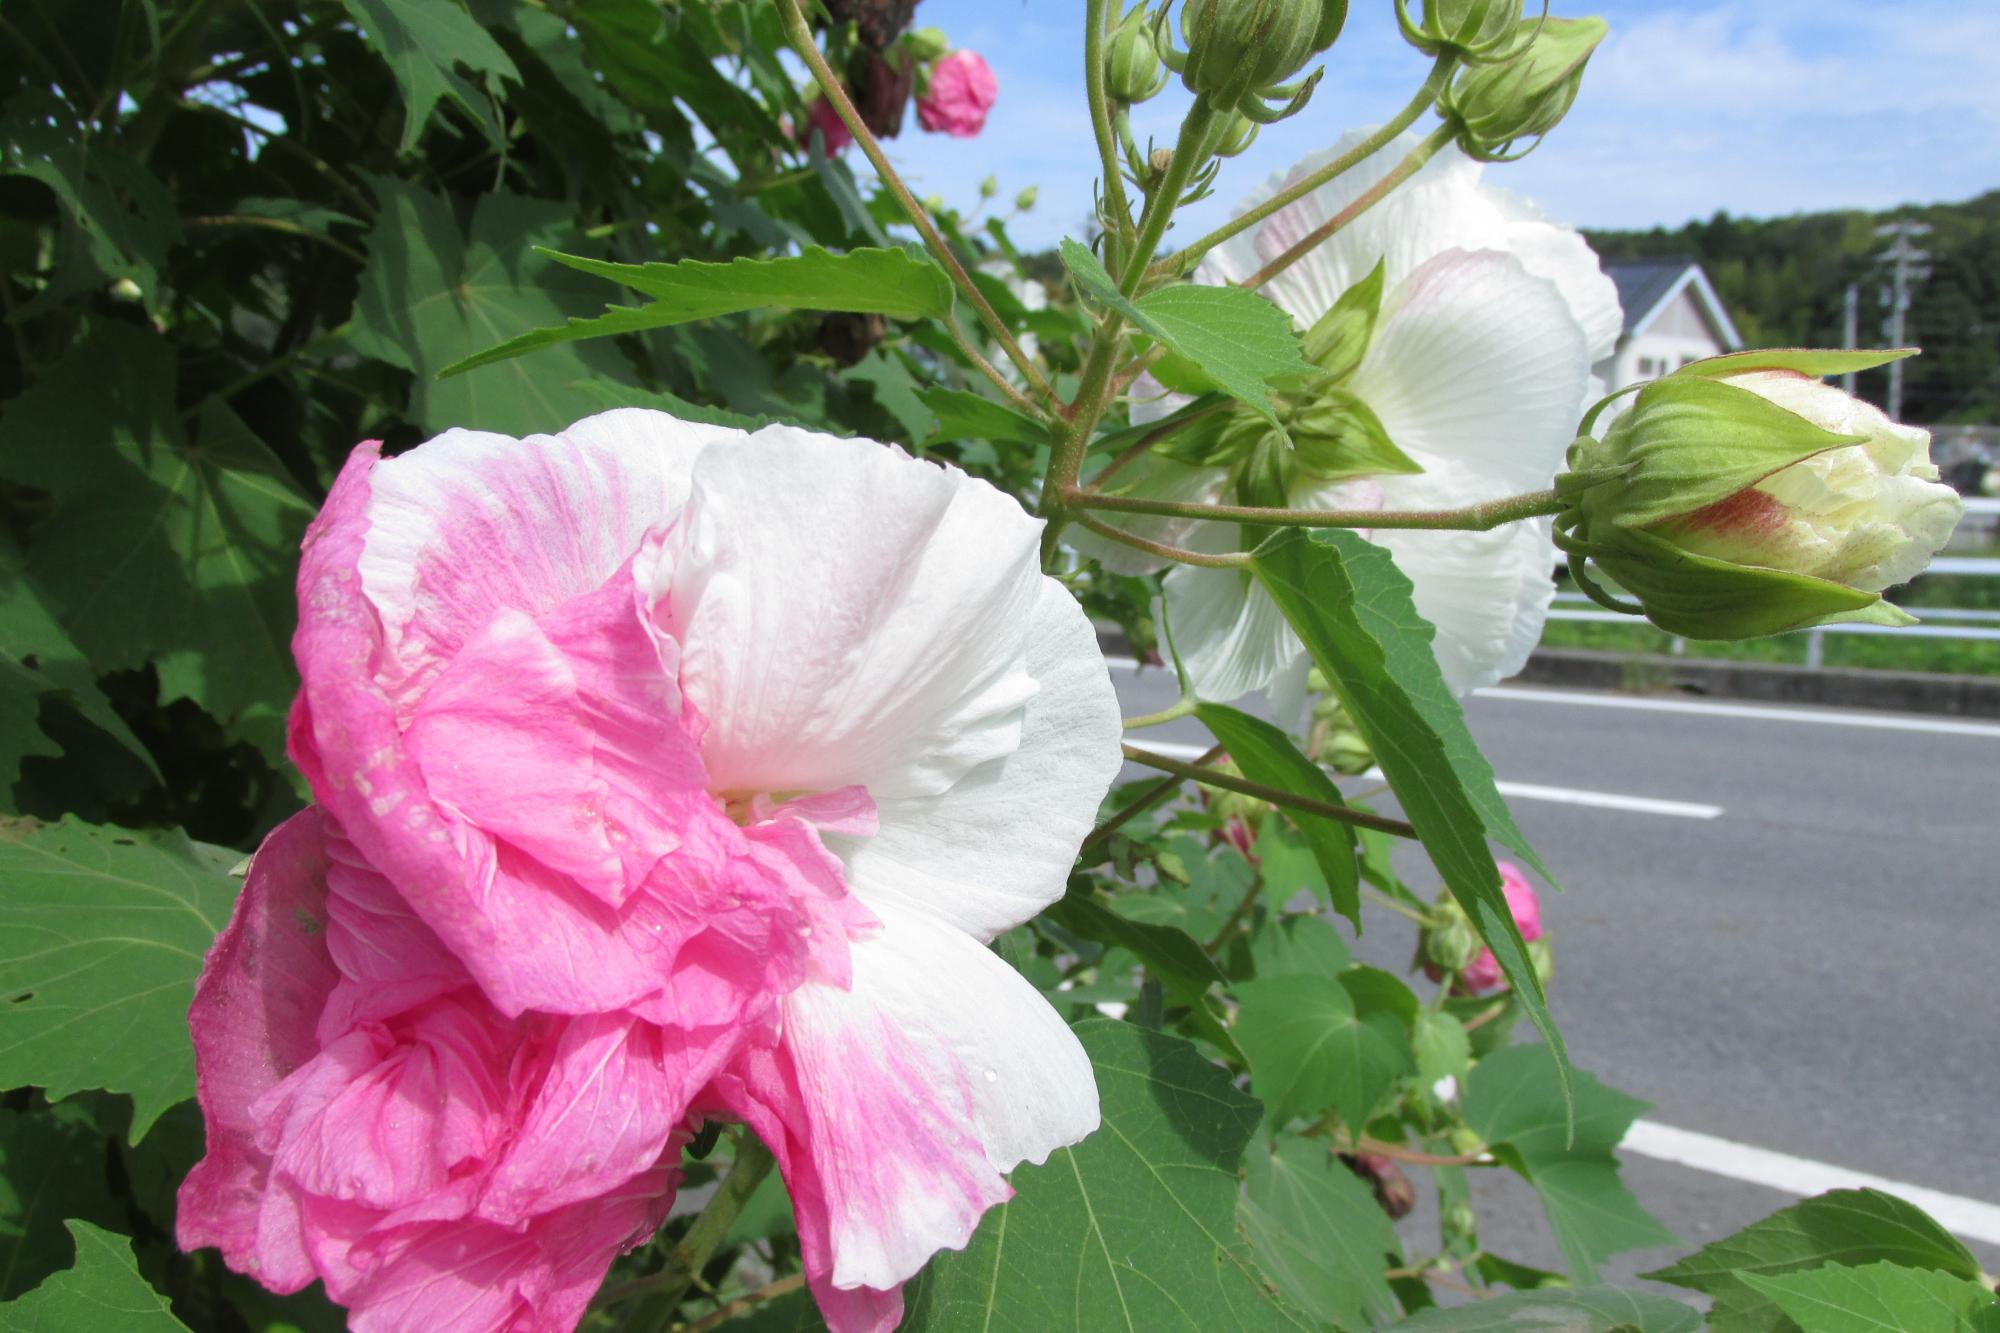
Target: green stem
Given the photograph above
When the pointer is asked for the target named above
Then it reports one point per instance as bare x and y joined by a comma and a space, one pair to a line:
1165, 197
1481, 517
1145, 801
830, 86
1183, 261
1096, 19
1172, 713
1368, 198
270, 368
1386, 901
663, 1291
1209, 777
1178, 554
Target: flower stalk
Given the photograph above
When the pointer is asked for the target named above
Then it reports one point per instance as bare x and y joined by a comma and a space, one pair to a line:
1482, 517
1209, 777
1375, 194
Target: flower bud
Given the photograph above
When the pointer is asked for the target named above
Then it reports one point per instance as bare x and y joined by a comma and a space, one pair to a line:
1460, 1224
1741, 496
1133, 71
1242, 49
958, 92
1495, 106
926, 45
1025, 200
1474, 29
1450, 943
1543, 959
989, 187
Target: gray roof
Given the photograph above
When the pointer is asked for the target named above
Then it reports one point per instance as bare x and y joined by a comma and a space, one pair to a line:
1642, 282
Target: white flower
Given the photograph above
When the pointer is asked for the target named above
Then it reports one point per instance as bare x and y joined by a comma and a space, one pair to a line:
1491, 318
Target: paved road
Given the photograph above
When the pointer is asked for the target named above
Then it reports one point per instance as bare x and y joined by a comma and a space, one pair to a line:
1811, 970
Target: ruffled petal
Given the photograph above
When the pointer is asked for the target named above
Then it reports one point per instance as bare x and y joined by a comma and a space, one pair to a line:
920, 1091
849, 616
1231, 636
254, 1016
996, 848
1488, 594
1552, 250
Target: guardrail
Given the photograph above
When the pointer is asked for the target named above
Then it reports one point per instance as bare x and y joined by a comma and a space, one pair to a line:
1974, 626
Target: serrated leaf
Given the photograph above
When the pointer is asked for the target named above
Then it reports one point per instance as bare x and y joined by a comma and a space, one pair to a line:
1267, 755
1879, 1298
1513, 1100
1216, 883
102, 1293
1351, 607
961, 415
1559, 1310
423, 42
433, 292
1133, 1229
1318, 1233
889, 282
102, 934
1852, 1227
1311, 1047
166, 549
53, 1166
1236, 338
1297, 945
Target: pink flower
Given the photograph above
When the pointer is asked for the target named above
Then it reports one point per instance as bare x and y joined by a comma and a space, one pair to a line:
821, 116
1483, 973
374, 1122
962, 90
715, 758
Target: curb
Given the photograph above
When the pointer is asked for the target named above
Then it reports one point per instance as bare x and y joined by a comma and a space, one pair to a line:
1832, 687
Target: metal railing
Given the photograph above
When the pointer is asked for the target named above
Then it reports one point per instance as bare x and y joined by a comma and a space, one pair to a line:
1969, 626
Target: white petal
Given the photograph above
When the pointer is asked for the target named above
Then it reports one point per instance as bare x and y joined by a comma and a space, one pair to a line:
996, 848
1477, 366
1231, 636
473, 523
1488, 594
849, 615
939, 1070
1551, 250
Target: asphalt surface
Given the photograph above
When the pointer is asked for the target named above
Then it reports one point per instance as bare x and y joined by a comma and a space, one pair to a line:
1811, 971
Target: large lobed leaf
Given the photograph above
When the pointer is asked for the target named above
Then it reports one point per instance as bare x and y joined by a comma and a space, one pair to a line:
103, 1293
1313, 1043
1851, 1227
1352, 608
1319, 1233
1880, 1298
423, 42
881, 282
102, 934
1133, 1229
1267, 755
1559, 1310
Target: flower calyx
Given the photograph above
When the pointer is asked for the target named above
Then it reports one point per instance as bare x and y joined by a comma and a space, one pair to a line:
1245, 55
1518, 100
1475, 31
1133, 70
1740, 497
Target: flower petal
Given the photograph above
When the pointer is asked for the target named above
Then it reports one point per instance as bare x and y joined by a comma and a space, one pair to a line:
996, 848
1488, 594
849, 616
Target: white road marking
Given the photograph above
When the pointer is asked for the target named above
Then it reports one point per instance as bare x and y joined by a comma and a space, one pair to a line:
1797, 1175
1822, 716
1527, 791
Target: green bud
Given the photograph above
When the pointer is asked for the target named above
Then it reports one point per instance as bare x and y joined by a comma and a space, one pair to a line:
1465, 1141
126, 290
1460, 1224
1347, 750
1741, 497
989, 187
1235, 135
1239, 51
1025, 200
1449, 941
1133, 70
1497, 105
934, 203
1475, 30
1543, 960
926, 45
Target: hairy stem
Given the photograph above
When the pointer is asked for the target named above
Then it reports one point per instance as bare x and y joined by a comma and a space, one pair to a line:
1370, 197
1097, 18
1482, 517
1165, 196
1178, 554
1145, 801
1276, 796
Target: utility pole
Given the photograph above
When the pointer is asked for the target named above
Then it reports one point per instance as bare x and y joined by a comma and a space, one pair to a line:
1850, 330
1907, 266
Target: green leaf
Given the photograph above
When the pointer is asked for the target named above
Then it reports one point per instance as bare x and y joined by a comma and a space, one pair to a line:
1297, 945
889, 282
53, 1166
1351, 606
1235, 337
1134, 1228
1817, 362
1267, 755
104, 935
1879, 1298
102, 1293
423, 42
1339, 339
1217, 881
1514, 1100
1442, 1048
1318, 1233
166, 549
1336, 436
611, 393
1558, 1310
1311, 1047
1170, 952
1853, 1227
961, 414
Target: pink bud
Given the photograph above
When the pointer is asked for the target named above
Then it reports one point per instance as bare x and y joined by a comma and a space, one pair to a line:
822, 117
962, 90
1483, 973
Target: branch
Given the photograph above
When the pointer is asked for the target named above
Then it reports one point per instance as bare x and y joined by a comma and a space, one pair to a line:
769, 1292
1179, 555
1096, 18
1145, 801
1373, 195
1480, 517
1276, 796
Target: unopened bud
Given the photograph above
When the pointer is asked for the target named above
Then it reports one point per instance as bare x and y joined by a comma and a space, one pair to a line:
1498, 105
989, 187
1450, 943
1025, 200
1465, 1141
1460, 1224
926, 45
1133, 71
126, 290
1240, 50
1161, 159
1474, 29
1543, 960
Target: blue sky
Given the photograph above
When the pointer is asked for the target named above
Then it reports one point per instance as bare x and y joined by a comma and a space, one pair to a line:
1758, 106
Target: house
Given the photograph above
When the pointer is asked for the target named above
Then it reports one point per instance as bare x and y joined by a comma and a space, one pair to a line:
1672, 317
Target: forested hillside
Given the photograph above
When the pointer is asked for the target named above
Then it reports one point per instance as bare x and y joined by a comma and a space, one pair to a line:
1783, 279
